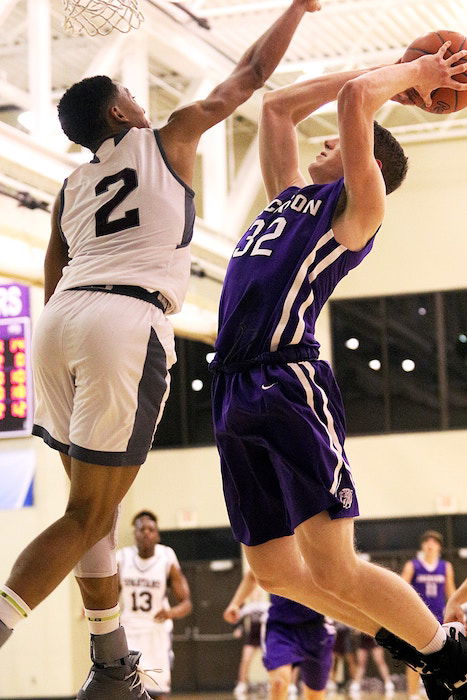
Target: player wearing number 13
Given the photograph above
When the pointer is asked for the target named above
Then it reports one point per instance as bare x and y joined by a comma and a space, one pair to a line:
117, 263
277, 410
147, 571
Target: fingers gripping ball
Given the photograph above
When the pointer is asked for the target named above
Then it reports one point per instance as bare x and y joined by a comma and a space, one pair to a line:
445, 100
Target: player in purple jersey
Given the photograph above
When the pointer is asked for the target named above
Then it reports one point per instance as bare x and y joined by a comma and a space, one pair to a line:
433, 579
294, 636
277, 410
101, 399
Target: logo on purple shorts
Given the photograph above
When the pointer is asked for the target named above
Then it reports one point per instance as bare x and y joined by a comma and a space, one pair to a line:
345, 497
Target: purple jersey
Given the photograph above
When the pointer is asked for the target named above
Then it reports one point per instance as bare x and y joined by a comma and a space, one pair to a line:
288, 612
280, 275
430, 582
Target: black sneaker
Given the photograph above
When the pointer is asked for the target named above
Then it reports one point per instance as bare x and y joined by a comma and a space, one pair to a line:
403, 651
450, 663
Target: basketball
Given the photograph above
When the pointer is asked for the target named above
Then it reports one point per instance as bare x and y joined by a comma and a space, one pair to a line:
445, 100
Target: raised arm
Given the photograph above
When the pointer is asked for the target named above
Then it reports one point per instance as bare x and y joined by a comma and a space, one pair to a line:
182, 132
282, 110
245, 588
358, 102
56, 256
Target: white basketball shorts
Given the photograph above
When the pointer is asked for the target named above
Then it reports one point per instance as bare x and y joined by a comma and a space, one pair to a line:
155, 645
100, 364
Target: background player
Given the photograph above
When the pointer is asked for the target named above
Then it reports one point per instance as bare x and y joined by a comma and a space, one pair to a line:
343, 654
277, 411
249, 620
147, 570
294, 636
433, 579
366, 645
117, 261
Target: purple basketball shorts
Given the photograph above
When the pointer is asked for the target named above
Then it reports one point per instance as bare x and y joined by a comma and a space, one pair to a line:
308, 645
280, 433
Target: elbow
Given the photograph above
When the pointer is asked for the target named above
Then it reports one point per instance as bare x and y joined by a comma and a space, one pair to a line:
352, 95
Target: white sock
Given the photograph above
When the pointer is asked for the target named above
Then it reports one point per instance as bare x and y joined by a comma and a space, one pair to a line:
436, 643
103, 621
13, 609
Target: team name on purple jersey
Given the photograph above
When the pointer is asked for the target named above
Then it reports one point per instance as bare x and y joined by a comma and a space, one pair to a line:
281, 273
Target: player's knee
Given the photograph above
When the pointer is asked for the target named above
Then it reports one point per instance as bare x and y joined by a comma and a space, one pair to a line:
333, 579
279, 684
92, 522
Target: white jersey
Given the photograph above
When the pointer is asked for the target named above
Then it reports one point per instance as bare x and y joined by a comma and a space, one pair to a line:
144, 585
127, 219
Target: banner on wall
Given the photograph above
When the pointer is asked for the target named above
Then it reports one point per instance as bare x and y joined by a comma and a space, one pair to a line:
16, 407
17, 469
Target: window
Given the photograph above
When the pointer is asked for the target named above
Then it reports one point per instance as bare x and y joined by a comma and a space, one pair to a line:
401, 361
187, 418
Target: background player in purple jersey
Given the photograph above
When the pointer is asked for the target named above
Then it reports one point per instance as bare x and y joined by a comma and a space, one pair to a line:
277, 411
433, 579
294, 636
102, 116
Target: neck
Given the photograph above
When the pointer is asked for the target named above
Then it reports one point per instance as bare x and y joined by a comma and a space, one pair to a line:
146, 553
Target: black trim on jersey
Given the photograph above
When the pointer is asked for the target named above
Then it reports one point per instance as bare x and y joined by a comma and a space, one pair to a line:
169, 167
118, 137
41, 432
95, 159
60, 212
190, 215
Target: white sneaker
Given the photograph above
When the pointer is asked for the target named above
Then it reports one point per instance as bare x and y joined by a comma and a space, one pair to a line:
354, 690
241, 691
292, 692
389, 689
331, 687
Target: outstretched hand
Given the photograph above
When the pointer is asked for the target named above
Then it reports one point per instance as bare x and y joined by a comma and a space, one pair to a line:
440, 72
310, 5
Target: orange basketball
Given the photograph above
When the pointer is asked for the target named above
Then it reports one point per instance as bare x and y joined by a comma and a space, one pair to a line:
445, 100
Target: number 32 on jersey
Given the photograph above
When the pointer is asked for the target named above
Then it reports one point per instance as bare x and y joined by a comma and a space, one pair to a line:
254, 242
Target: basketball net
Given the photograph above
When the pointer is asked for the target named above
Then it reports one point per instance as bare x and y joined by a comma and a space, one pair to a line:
100, 16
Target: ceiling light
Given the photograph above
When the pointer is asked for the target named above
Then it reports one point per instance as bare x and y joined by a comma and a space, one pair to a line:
408, 365
374, 364
197, 384
352, 343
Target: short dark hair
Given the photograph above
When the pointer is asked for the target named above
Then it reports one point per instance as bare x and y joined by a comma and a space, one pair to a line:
391, 154
144, 514
82, 110
432, 534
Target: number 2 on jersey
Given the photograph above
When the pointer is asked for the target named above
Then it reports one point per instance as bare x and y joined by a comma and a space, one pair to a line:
130, 182
275, 229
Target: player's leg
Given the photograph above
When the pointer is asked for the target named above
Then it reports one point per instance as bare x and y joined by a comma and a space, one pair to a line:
361, 656
293, 580
378, 657
95, 493
413, 683
279, 681
309, 694
328, 549
248, 653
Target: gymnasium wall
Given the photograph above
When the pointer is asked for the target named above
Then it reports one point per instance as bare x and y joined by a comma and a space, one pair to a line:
422, 247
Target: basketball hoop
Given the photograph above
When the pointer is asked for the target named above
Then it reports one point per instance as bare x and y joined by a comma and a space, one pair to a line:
100, 16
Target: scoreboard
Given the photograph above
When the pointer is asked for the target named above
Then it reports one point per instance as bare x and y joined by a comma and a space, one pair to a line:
15, 361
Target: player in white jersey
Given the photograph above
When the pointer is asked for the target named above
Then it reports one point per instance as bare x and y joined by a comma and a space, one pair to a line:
116, 263
147, 570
